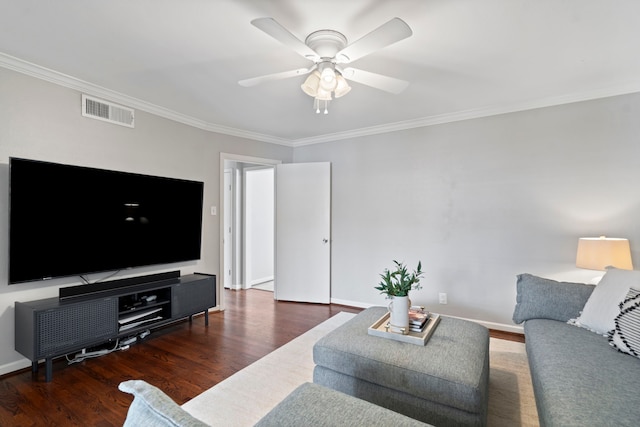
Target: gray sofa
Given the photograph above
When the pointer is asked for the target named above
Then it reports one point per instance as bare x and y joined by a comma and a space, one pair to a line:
579, 379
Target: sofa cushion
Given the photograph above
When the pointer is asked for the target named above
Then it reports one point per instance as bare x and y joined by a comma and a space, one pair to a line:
152, 408
603, 305
578, 379
626, 335
539, 298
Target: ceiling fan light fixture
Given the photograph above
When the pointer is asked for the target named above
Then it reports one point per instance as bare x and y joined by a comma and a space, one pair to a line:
328, 86
323, 95
327, 76
342, 87
311, 84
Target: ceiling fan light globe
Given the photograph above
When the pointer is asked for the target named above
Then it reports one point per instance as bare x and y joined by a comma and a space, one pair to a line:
310, 85
328, 75
328, 86
323, 95
328, 80
342, 87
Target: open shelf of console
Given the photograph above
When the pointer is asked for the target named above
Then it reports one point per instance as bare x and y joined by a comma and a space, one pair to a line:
142, 310
53, 327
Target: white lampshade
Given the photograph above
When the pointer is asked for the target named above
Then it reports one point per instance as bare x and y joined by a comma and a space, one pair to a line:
342, 87
323, 95
310, 85
324, 83
598, 253
328, 80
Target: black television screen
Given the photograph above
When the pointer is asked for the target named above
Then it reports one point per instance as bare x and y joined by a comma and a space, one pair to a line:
70, 220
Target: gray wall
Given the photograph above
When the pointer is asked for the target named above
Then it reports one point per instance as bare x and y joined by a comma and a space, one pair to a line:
481, 201
43, 121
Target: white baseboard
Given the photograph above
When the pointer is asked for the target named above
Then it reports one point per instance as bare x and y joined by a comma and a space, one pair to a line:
260, 280
14, 366
518, 329
496, 326
350, 303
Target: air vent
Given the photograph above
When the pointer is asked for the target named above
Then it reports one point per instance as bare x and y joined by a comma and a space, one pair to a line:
107, 111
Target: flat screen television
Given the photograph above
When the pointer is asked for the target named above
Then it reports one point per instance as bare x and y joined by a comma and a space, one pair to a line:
70, 220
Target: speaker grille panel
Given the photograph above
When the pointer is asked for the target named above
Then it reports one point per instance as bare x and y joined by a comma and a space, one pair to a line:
190, 298
76, 325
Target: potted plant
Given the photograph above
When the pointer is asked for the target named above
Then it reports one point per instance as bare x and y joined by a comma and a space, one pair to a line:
396, 285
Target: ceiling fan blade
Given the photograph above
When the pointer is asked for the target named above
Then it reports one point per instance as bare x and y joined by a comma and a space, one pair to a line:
386, 34
378, 81
278, 32
275, 76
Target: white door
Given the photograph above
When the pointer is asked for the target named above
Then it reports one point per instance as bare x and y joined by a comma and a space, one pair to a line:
303, 227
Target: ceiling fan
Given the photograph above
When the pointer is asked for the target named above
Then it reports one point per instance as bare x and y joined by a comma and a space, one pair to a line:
329, 52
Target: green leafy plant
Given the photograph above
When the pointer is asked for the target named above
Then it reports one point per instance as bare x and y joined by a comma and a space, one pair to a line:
399, 282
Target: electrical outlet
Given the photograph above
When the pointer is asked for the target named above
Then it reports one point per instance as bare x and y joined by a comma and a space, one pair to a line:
442, 298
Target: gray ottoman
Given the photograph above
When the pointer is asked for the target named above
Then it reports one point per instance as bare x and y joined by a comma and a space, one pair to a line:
445, 383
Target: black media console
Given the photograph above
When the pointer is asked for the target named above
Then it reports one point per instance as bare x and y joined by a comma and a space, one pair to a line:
53, 327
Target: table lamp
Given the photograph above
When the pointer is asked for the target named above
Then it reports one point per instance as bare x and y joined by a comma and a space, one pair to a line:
598, 253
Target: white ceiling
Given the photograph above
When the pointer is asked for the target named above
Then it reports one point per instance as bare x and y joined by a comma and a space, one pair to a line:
467, 58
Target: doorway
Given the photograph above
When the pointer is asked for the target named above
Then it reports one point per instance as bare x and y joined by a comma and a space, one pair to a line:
247, 226
259, 223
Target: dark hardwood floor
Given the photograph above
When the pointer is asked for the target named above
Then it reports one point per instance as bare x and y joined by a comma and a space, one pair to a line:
183, 359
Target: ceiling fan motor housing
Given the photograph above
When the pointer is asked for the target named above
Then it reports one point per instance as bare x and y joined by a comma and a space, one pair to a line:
326, 43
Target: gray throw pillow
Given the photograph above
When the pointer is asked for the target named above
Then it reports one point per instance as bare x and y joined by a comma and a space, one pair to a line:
540, 298
152, 408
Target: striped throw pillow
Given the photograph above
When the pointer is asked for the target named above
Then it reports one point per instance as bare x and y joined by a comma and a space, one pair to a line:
626, 335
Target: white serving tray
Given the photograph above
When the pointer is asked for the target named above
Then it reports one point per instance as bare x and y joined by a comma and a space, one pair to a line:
381, 329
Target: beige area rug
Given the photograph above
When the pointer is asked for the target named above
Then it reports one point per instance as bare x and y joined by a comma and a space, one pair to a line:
511, 400
246, 396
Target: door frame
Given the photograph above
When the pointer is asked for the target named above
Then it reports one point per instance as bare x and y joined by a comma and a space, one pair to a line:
236, 158
227, 225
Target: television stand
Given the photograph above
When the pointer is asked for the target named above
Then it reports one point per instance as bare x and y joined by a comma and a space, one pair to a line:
51, 328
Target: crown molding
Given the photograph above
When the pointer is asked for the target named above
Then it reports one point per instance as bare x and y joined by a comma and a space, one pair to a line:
624, 89
33, 70
61, 79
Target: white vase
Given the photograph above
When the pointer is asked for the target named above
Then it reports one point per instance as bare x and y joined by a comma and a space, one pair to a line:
399, 314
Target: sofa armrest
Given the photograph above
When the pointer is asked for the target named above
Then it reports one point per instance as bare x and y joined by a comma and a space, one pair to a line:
152, 408
539, 298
